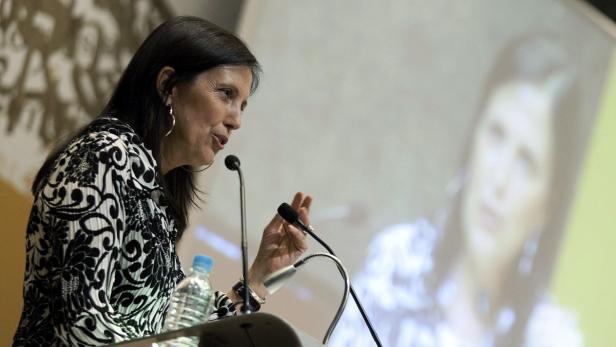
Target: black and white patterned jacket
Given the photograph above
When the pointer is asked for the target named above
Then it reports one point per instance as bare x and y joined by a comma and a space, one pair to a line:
101, 263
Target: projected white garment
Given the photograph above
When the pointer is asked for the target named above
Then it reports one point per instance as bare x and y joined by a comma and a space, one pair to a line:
393, 289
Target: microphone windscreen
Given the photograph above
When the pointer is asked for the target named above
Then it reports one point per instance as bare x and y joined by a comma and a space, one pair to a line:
288, 213
232, 162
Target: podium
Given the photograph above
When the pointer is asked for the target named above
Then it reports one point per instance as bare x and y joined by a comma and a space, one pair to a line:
251, 330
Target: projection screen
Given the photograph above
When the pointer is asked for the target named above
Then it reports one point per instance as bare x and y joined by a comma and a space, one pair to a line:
457, 153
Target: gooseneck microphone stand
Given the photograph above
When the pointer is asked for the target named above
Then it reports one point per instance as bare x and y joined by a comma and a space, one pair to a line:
233, 163
275, 280
291, 216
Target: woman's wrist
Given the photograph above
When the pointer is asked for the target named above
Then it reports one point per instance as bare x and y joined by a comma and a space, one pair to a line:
240, 292
255, 281
259, 290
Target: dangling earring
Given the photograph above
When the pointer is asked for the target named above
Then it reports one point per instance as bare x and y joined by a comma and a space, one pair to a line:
525, 264
172, 120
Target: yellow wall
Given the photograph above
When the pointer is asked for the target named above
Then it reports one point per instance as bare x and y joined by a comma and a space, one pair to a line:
585, 278
15, 208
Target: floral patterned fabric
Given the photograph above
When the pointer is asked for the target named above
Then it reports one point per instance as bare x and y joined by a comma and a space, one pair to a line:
101, 263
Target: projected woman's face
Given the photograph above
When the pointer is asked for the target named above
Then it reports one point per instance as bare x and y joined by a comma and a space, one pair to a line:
509, 172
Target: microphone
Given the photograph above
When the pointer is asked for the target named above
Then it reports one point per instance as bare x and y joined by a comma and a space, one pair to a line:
275, 280
233, 163
289, 214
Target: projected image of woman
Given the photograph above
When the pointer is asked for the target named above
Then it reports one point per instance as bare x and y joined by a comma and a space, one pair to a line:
477, 276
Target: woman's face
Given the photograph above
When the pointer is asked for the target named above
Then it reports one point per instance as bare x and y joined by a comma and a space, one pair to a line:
509, 174
206, 110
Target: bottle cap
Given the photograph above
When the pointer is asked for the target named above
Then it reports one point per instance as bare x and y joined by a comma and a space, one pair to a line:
202, 262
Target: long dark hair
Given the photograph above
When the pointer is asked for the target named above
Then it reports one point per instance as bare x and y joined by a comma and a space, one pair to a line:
190, 45
533, 59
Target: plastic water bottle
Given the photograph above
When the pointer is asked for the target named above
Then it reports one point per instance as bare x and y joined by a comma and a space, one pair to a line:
191, 303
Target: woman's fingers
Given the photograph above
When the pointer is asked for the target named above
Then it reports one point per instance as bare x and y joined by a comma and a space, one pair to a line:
298, 198
296, 237
306, 203
304, 210
275, 223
